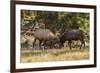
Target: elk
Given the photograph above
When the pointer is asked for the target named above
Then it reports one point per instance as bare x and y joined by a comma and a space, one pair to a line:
70, 35
44, 35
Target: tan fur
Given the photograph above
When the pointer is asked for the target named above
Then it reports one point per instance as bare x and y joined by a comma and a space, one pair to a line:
44, 34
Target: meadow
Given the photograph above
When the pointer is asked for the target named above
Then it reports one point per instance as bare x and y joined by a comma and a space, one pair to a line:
63, 54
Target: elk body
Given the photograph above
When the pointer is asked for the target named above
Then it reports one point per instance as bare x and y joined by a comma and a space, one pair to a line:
72, 35
43, 35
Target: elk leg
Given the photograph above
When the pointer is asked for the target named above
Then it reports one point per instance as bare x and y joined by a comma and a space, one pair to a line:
44, 44
61, 45
34, 42
82, 42
81, 45
69, 42
40, 43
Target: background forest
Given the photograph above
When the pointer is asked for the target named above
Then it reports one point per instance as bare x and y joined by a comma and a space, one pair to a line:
54, 20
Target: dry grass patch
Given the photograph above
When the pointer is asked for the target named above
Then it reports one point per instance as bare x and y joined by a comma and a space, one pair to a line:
64, 54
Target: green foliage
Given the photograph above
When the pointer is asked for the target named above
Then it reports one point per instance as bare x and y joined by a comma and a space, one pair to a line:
56, 20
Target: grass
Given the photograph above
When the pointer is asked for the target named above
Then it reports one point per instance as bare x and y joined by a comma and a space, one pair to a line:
64, 54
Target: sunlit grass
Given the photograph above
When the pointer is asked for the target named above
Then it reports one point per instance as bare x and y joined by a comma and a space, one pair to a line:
64, 54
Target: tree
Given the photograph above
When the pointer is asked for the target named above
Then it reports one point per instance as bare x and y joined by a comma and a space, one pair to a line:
55, 20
